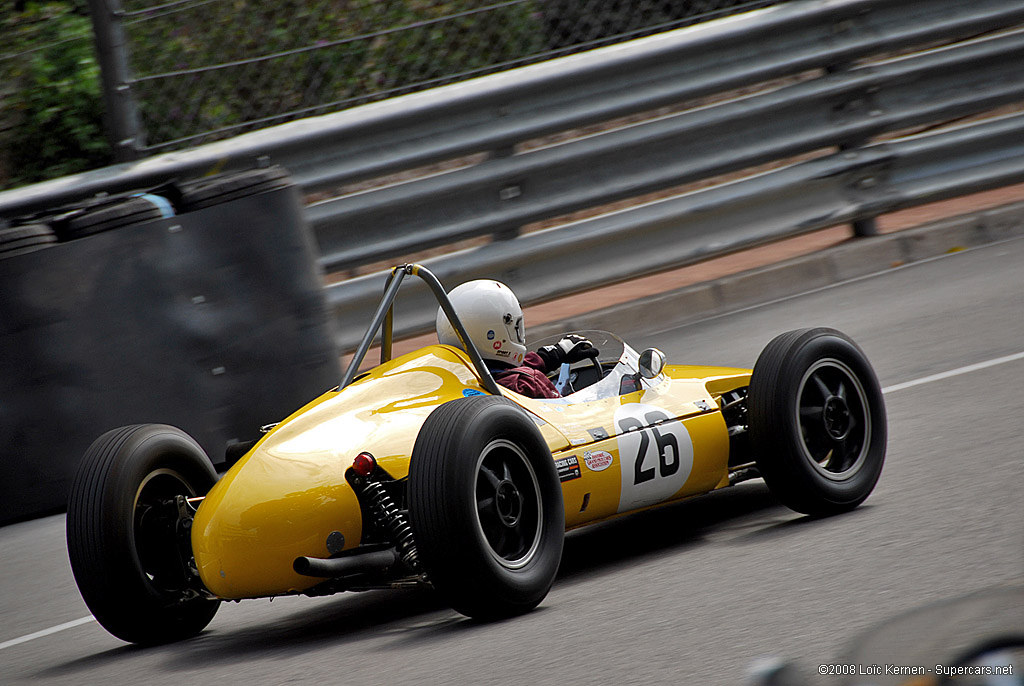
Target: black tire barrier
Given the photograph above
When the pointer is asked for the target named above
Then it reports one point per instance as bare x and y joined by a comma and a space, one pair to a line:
118, 214
18, 240
212, 320
207, 192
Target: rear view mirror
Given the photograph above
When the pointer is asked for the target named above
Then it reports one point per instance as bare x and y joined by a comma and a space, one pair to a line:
652, 362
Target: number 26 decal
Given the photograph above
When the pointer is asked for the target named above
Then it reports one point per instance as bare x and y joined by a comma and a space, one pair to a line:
666, 444
655, 455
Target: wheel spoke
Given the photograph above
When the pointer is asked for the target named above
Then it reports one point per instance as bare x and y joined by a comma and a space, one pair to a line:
841, 391
811, 411
517, 540
507, 473
501, 545
850, 448
490, 476
486, 508
826, 461
822, 388
817, 444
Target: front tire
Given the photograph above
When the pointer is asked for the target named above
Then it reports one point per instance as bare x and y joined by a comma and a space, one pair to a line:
817, 421
125, 548
485, 505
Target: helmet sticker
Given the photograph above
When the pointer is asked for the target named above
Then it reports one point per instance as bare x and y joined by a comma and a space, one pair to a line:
490, 335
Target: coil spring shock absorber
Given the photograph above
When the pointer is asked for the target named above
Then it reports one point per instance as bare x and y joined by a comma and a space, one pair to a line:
392, 519
385, 511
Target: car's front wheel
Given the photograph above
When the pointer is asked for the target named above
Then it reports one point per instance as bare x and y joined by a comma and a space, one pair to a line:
485, 505
817, 421
128, 543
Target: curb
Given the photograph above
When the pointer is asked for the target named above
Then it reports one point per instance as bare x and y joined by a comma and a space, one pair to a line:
855, 258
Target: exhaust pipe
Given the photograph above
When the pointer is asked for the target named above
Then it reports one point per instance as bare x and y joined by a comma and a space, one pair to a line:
376, 562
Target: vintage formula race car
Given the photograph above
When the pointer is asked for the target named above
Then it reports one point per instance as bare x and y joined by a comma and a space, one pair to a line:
423, 471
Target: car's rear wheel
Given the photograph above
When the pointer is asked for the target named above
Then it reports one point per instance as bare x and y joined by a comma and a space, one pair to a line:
485, 504
127, 544
817, 421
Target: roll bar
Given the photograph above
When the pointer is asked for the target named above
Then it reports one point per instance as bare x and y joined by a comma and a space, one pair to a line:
385, 316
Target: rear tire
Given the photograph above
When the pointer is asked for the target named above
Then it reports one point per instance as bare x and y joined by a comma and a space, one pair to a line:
485, 505
125, 552
817, 421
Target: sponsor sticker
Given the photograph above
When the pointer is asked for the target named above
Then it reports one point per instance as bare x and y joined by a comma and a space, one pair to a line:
490, 335
467, 392
597, 460
568, 468
497, 345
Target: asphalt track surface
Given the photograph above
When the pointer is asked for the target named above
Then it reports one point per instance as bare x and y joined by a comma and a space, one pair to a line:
690, 593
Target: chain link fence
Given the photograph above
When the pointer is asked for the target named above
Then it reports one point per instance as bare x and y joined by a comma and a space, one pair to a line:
201, 70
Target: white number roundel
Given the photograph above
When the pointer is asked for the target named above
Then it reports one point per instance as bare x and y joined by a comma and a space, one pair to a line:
655, 458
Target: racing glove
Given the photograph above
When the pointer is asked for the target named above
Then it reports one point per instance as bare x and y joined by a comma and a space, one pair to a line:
570, 349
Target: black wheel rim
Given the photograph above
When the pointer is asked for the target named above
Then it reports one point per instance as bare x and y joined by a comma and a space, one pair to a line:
154, 530
509, 509
834, 419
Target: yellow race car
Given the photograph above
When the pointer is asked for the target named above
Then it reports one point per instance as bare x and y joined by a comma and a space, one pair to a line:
424, 471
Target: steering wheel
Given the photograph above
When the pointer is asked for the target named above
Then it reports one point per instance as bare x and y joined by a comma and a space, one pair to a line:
597, 363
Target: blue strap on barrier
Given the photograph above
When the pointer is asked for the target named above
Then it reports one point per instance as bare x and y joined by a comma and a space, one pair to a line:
161, 203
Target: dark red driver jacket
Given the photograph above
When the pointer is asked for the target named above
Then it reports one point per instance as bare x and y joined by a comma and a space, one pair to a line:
530, 379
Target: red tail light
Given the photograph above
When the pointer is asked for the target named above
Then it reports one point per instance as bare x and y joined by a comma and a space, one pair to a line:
364, 464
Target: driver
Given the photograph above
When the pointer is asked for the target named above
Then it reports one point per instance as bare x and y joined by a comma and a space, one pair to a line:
493, 319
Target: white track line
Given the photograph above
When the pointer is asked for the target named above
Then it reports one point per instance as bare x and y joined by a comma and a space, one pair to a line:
47, 632
953, 372
888, 389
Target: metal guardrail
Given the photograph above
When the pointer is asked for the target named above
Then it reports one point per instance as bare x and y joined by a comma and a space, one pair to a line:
503, 194
678, 231
831, 100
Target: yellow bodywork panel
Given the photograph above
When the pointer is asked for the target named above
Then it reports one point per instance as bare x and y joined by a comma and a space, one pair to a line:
289, 493
616, 477
628, 452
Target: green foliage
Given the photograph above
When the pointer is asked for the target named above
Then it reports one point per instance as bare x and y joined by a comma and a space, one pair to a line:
315, 56
208, 69
51, 110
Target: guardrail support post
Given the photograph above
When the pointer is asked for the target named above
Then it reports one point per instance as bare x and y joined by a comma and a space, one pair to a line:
867, 226
123, 128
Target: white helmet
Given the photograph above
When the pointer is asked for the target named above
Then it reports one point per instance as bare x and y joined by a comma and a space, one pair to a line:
493, 319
